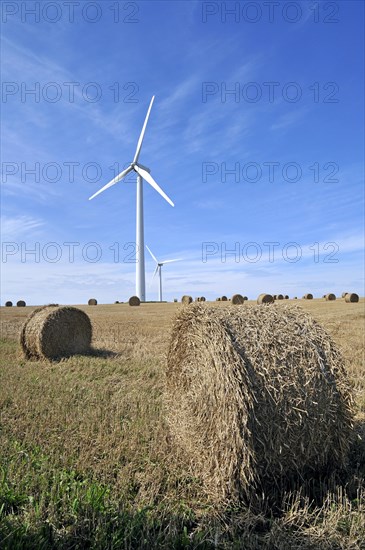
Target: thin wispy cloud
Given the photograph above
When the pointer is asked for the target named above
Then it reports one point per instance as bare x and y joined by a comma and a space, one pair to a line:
18, 227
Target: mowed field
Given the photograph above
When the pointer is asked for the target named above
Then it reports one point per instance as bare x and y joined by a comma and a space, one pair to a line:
86, 459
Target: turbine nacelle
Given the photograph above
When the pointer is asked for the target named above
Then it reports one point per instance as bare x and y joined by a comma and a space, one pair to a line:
141, 166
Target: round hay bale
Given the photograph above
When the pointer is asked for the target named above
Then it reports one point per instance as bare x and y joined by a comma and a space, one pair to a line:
265, 299
280, 297
175, 300
286, 297
224, 298
202, 299
343, 294
256, 399
308, 296
116, 302
295, 298
330, 297
186, 299
245, 298
134, 301
8, 304
51, 332
20, 303
275, 296
197, 299
351, 297
218, 299
92, 302
238, 299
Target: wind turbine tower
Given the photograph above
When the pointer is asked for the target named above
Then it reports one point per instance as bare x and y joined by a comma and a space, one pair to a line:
158, 270
143, 173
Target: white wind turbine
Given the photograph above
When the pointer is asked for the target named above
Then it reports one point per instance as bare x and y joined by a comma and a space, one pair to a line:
143, 173
158, 270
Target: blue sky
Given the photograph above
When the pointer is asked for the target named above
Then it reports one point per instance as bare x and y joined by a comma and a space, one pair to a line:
256, 134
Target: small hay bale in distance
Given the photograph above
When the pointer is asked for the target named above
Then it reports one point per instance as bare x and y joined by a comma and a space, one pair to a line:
224, 299
256, 399
116, 302
286, 297
237, 299
275, 296
280, 297
330, 297
134, 301
20, 303
92, 302
202, 298
265, 299
351, 297
9, 304
308, 296
186, 300
197, 299
343, 294
245, 298
51, 332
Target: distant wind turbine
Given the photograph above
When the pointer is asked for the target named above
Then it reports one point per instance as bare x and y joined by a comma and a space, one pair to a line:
158, 270
143, 173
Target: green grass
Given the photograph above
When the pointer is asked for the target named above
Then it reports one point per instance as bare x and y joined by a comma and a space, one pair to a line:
45, 506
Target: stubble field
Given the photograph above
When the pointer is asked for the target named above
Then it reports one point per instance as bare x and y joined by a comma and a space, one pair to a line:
86, 459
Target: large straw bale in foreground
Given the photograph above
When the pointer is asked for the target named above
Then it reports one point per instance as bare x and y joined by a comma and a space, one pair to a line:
256, 398
51, 332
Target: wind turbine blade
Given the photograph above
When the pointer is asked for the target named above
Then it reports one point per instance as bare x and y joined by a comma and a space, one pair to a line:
113, 182
169, 261
156, 270
146, 176
140, 141
154, 257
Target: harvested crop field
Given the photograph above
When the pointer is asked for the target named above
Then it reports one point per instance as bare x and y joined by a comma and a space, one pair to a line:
88, 461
